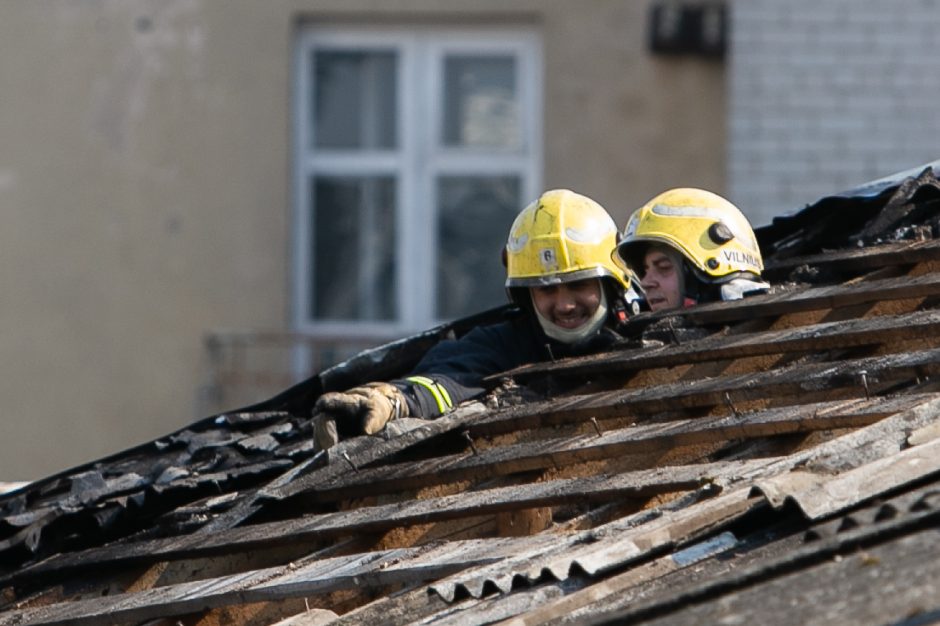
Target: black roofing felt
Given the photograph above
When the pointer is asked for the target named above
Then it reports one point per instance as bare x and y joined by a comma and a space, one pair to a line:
893, 209
772, 460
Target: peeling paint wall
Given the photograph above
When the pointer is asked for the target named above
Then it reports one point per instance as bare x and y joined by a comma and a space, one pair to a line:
145, 185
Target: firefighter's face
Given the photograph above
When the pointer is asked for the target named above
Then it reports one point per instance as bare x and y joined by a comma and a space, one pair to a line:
661, 278
568, 305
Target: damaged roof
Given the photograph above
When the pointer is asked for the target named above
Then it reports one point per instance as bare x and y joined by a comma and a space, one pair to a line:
775, 458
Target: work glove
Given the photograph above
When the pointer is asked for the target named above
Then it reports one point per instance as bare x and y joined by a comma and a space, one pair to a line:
363, 410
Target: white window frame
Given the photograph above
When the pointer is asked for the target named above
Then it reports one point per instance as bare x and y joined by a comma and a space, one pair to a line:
416, 162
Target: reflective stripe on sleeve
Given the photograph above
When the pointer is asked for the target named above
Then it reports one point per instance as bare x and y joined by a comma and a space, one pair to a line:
437, 391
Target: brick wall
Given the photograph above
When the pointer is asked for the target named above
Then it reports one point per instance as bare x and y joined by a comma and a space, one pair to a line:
828, 94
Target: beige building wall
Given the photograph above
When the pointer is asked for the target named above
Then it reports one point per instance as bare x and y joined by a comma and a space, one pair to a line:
145, 176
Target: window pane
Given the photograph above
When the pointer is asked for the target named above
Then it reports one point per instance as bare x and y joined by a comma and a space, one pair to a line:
355, 105
474, 217
354, 245
481, 107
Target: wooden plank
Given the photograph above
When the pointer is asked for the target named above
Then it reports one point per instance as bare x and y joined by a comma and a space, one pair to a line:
883, 439
615, 545
365, 450
792, 381
643, 483
809, 299
699, 519
794, 570
419, 606
373, 569
811, 338
867, 258
558, 452
820, 495
557, 608
649, 538
562, 452
865, 445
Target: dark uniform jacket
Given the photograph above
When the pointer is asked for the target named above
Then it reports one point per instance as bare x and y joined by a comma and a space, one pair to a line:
453, 370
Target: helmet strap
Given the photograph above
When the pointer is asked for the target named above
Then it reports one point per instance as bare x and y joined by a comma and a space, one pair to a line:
696, 287
616, 300
574, 335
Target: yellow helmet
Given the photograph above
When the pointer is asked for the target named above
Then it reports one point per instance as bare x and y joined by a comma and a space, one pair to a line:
710, 232
561, 237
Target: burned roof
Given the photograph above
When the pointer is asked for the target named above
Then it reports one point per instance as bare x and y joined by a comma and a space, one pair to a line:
773, 458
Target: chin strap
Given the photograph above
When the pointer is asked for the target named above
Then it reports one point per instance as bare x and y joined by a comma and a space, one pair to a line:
698, 289
582, 332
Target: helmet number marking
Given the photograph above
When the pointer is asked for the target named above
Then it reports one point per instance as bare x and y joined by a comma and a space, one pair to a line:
548, 258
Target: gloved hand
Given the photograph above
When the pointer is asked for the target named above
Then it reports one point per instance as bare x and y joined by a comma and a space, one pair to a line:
363, 410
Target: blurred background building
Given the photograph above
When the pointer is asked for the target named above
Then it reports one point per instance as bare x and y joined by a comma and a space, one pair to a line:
207, 200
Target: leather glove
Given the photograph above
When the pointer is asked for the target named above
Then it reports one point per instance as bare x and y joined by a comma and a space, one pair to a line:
363, 410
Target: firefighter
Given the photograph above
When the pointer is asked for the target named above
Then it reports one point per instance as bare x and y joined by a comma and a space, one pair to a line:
688, 246
572, 295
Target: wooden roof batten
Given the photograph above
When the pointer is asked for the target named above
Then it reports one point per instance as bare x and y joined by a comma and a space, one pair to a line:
574, 489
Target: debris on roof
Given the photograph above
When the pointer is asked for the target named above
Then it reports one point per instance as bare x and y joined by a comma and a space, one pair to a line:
774, 459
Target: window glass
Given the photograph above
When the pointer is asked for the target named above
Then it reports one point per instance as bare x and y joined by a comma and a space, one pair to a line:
481, 106
416, 147
354, 248
355, 103
474, 216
